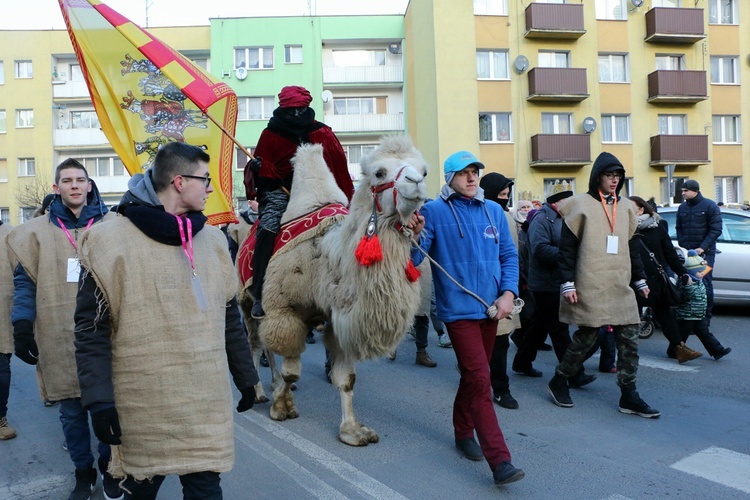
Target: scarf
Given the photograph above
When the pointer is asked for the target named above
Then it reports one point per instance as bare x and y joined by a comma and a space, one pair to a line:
293, 127
159, 225
646, 221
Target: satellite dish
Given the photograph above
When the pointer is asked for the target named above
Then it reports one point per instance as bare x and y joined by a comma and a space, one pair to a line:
241, 73
589, 124
521, 63
636, 3
327, 95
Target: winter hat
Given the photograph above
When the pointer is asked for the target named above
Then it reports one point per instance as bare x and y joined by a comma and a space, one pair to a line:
493, 183
294, 96
691, 185
457, 162
607, 162
694, 264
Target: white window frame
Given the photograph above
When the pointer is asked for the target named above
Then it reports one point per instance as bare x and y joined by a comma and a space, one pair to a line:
490, 7
721, 129
667, 193
26, 167
669, 4
721, 64
112, 164
86, 117
502, 73
5, 215
24, 118
670, 62
3, 121
725, 186
27, 213
354, 166
554, 123
23, 69
245, 52
293, 54
499, 121
76, 73
608, 60
668, 123
349, 102
718, 14
610, 122
266, 102
606, 10
553, 59
358, 58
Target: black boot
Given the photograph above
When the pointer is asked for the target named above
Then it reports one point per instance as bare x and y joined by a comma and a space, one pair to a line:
631, 403
85, 483
261, 256
580, 379
558, 389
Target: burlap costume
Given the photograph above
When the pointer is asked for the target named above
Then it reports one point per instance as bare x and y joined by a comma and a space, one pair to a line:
43, 249
6, 292
169, 363
602, 280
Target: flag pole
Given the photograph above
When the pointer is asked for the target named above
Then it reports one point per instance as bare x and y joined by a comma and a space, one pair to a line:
228, 134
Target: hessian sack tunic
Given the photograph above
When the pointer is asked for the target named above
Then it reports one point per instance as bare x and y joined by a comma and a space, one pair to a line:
6, 292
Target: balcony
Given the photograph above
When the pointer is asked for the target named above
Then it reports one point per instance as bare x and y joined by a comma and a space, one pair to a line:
546, 20
674, 25
557, 84
669, 86
560, 150
365, 123
79, 137
679, 149
363, 75
111, 184
64, 89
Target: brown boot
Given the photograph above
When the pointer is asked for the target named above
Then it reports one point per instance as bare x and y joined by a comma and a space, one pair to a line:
684, 353
6, 431
424, 359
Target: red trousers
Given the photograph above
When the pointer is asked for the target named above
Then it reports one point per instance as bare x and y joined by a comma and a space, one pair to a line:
473, 341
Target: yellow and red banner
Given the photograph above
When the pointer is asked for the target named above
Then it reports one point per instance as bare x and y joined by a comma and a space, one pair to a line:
147, 94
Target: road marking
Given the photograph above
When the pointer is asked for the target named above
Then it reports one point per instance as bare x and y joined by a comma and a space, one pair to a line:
719, 465
300, 475
366, 485
33, 489
617, 496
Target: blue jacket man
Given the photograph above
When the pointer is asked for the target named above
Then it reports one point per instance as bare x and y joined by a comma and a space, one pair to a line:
471, 241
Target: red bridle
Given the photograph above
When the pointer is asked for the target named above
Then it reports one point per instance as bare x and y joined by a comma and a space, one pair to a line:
375, 190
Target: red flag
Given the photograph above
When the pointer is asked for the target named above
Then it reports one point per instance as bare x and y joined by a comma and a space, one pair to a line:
146, 94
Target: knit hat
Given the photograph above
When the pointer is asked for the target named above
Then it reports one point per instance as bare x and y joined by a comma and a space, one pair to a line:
493, 183
457, 162
691, 185
294, 96
695, 265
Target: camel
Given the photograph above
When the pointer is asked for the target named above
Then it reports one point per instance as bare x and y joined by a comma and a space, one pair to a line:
368, 304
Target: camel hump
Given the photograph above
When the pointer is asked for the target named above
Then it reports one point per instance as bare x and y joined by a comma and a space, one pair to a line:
313, 185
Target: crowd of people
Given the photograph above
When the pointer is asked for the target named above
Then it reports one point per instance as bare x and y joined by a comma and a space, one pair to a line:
97, 299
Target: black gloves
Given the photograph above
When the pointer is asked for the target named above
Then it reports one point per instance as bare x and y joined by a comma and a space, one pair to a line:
106, 426
23, 341
255, 164
247, 400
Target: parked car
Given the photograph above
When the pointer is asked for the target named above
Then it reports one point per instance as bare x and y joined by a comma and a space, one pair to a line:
732, 266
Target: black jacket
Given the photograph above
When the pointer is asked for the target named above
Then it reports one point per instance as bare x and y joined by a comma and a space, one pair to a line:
698, 224
656, 239
544, 242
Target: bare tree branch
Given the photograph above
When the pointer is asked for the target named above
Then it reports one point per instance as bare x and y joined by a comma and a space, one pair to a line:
31, 192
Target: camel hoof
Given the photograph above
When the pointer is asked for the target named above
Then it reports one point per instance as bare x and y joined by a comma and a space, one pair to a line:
259, 400
357, 435
293, 387
283, 409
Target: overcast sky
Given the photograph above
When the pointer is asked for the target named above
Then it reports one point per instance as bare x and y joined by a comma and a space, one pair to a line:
45, 14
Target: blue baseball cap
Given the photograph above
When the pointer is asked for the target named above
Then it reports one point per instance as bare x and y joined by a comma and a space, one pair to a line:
459, 161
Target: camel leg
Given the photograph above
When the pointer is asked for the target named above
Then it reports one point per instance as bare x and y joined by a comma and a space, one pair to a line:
351, 432
283, 406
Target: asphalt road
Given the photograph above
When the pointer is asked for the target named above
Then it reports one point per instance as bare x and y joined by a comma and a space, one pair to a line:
698, 449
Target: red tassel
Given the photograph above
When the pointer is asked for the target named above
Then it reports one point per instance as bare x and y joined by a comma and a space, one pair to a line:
369, 251
412, 273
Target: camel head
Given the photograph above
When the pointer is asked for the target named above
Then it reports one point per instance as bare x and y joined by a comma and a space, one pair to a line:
394, 174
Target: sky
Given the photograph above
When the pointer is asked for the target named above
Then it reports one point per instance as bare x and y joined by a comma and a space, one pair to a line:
45, 14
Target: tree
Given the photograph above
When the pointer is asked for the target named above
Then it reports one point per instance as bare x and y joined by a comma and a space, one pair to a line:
31, 192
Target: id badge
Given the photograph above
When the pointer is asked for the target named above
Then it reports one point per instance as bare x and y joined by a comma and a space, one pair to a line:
74, 270
612, 244
198, 292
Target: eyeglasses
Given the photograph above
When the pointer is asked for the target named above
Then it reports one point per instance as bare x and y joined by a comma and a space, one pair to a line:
613, 175
206, 179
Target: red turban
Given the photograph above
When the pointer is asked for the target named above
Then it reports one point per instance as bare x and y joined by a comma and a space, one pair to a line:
294, 97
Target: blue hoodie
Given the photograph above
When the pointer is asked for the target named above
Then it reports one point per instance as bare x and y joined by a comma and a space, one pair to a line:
470, 239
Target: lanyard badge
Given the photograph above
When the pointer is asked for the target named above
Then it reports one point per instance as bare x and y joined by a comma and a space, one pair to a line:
186, 236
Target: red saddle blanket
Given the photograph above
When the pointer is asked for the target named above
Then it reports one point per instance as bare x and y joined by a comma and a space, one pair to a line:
295, 229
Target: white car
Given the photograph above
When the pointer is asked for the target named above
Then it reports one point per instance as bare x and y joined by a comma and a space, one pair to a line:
732, 267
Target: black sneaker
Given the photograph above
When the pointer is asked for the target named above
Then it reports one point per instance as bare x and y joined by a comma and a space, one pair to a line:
110, 485
506, 400
257, 311
470, 449
558, 389
529, 371
580, 379
505, 473
632, 404
723, 352
85, 482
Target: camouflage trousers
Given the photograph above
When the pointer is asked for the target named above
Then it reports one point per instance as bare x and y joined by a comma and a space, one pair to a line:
626, 339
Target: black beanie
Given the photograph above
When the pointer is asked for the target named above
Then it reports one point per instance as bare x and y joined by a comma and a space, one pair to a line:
492, 183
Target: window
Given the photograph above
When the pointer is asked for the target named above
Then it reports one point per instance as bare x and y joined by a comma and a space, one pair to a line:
354, 106
557, 123
611, 10
554, 59
494, 127
103, 166
84, 119
726, 129
724, 69
27, 213
492, 64
665, 3
355, 58
616, 128
202, 63
23, 69
26, 167
672, 124
670, 61
255, 108
490, 7
76, 75
3, 170
613, 68
5, 215
293, 54
727, 189
2, 73
354, 155
668, 194
722, 11
253, 58
3, 124
24, 118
